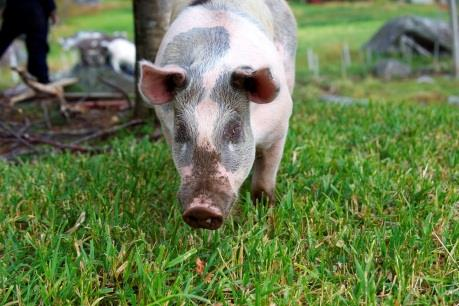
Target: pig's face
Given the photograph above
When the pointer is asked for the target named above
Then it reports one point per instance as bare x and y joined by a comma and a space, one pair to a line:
213, 146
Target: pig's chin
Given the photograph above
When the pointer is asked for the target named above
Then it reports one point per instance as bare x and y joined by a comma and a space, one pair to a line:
206, 211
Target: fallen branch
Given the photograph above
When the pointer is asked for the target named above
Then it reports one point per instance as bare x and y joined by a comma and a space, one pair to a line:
25, 127
69, 133
15, 154
62, 146
54, 90
82, 107
81, 97
18, 137
109, 131
29, 141
22, 97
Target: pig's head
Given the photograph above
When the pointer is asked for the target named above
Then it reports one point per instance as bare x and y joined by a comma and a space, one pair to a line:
212, 142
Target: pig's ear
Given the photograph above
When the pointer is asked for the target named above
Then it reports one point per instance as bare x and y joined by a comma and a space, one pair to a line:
159, 85
259, 84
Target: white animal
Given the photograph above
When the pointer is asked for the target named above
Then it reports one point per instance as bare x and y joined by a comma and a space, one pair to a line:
221, 86
122, 53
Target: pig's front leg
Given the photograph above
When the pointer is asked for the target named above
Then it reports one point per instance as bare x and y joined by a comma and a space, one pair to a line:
265, 171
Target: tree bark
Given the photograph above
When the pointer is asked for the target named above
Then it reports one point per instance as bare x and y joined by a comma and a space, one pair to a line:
455, 28
151, 20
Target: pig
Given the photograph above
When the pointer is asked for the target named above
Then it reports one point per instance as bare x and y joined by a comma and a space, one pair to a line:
221, 86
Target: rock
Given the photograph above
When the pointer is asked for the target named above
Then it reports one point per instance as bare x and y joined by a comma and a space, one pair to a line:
453, 100
87, 2
389, 69
425, 79
89, 79
343, 100
418, 35
426, 2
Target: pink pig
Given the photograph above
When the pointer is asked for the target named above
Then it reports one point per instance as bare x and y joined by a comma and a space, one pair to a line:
221, 86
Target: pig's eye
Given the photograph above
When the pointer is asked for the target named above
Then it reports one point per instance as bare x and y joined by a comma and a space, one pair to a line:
181, 133
233, 131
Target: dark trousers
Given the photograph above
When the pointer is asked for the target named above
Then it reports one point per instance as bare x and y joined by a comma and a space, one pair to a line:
35, 28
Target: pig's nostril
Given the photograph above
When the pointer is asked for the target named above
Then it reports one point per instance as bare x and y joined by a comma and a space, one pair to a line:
203, 217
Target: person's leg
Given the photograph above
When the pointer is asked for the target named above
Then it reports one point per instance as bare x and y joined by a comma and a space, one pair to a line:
37, 49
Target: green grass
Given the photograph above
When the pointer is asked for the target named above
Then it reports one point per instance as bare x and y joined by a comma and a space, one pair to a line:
366, 194
326, 28
368, 212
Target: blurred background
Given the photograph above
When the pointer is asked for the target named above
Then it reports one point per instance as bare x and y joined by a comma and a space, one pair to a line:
399, 50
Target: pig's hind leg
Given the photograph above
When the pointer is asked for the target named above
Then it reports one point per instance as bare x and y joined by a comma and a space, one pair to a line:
265, 170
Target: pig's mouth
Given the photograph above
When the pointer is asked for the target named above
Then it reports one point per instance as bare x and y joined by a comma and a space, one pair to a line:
207, 212
203, 217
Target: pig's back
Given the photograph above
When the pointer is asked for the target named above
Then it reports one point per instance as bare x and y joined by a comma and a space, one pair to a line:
285, 33
257, 10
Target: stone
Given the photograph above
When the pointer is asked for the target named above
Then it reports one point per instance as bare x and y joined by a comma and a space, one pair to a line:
90, 76
425, 2
343, 100
389, 69
413, 34
453, 100
425, 79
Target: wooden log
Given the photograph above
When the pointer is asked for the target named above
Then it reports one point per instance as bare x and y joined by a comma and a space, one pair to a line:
54, 90
31, 93
79, 96
21, 97
83, 107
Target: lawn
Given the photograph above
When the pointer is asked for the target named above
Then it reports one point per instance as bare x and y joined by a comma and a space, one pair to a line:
367, 212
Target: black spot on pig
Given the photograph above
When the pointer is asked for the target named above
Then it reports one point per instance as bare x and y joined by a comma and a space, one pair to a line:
198, 48
233, 134
185, 124
228, 98
199, 2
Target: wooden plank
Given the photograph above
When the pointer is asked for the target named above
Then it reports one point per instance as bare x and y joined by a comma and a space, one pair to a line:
92, 96
41, 88
21, 97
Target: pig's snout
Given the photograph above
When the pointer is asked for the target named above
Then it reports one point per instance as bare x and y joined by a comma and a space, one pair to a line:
206, 200
203, 217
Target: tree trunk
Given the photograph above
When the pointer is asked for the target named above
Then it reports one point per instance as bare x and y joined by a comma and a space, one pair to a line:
151, 19
455, 28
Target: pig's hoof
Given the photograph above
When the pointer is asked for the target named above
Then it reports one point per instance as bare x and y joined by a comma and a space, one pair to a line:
263, 196
203, 217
